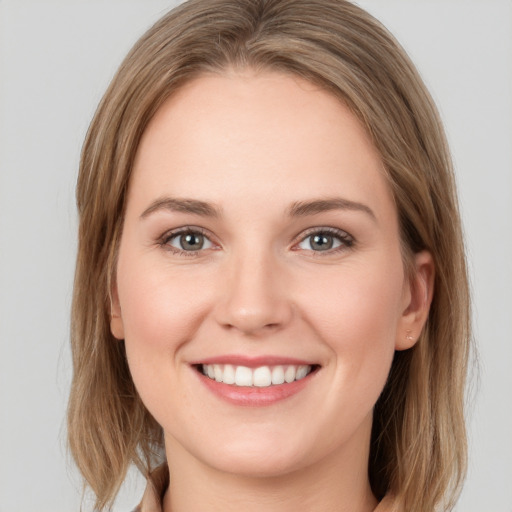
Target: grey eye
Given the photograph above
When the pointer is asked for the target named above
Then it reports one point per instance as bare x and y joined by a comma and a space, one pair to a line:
321, 242
190, 241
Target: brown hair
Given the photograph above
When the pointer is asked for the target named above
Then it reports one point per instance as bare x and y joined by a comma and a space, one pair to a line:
418, 445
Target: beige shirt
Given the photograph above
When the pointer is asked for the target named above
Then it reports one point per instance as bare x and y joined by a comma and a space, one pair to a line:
157, 485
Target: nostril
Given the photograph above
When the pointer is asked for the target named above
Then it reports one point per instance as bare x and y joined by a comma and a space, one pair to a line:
254, 329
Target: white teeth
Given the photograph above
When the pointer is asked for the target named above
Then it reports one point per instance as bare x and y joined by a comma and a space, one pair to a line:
229, 374
302, 371
217, 372
278, 375
262, 376
243, 376
289, 374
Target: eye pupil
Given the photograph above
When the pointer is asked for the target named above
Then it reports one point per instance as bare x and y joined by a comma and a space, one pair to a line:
321, 242
191, 241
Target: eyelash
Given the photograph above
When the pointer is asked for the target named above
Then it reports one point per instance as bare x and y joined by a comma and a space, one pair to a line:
346, 240
165, 239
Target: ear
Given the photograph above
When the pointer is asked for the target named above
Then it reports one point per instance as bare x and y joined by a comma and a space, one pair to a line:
116, 319
418, 293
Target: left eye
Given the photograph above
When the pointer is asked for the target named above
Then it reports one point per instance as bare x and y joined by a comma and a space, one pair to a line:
189, 241
324, 241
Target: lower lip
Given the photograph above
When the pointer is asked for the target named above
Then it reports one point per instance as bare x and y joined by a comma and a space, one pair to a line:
254, 396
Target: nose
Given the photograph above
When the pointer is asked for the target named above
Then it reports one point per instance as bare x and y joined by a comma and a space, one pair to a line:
254, 298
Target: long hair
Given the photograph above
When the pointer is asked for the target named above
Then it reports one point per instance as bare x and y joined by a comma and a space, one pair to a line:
418, 444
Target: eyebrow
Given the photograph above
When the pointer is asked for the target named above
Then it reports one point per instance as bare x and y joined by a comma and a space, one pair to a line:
172, 204
304, 208
297, 209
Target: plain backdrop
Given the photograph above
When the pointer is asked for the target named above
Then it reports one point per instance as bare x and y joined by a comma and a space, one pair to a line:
56, 59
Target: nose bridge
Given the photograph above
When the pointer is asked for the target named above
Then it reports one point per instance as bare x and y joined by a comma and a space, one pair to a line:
254, 298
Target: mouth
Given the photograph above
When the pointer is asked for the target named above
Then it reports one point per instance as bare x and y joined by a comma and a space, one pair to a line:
255, 382
264, 376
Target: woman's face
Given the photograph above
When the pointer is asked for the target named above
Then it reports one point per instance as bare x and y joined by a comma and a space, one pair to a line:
260, 246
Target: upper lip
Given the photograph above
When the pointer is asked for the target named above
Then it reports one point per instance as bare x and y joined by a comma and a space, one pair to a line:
252, 362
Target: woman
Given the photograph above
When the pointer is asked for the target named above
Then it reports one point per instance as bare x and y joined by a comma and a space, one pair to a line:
271, 298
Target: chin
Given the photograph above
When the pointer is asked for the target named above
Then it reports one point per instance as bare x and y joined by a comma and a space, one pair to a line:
260, 464
259, 456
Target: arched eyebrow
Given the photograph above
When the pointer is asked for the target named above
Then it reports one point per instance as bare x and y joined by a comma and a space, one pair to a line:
173, 204
304, 208
297, 209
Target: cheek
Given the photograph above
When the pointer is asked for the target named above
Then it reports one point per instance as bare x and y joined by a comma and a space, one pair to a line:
357, 303
159, 310
160, 315
356, 313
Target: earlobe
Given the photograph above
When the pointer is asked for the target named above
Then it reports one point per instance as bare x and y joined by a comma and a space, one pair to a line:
419, 297
116, 320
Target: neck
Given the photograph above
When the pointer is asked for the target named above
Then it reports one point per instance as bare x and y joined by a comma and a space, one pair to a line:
338, 483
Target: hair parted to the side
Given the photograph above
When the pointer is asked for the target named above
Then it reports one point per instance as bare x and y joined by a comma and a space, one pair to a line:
418, 446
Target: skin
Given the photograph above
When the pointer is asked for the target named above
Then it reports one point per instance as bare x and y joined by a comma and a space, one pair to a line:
252, 145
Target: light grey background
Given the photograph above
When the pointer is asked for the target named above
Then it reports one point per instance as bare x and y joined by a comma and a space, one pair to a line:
56, 59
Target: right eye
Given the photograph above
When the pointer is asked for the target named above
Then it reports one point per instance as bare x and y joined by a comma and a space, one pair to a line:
187, 241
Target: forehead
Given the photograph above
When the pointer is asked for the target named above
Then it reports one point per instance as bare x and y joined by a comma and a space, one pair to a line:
256, 134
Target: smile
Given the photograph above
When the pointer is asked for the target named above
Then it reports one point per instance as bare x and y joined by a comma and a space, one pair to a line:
261, 377
254, 382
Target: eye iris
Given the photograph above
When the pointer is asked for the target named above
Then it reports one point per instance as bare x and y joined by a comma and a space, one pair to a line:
191, 241
321, 242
